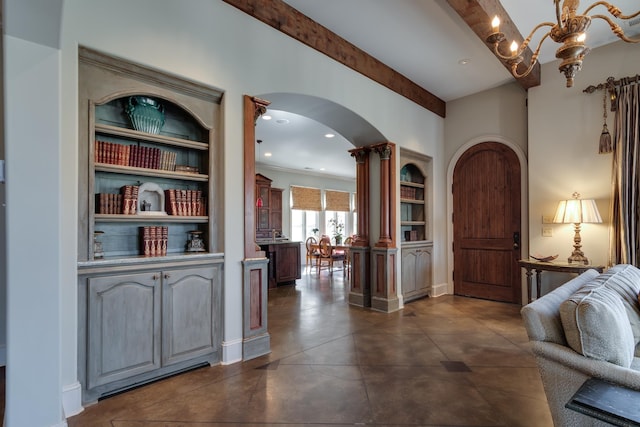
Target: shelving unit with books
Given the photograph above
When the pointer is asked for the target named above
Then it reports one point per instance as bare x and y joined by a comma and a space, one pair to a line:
171, 168
415, 224
150, 229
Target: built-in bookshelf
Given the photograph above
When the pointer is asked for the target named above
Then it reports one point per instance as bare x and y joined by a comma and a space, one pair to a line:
413, 221
415, 224
150, 225
148, 179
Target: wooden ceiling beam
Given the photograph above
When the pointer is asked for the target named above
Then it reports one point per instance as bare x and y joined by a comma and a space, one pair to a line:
293, 23
478, 15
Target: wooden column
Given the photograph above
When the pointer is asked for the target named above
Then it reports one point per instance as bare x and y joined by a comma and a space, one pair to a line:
359, 287
387, 194
253, 109
256, 340
361, 155
384, 293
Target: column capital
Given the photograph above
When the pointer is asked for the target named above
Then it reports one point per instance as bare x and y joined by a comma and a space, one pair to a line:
360, 154
260, 107
384, 150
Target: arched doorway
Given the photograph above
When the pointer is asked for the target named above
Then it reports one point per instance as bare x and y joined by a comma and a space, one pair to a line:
359, 132
487, 235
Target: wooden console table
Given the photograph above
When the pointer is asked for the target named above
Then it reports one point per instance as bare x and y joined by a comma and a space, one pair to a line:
608, 402
540, 266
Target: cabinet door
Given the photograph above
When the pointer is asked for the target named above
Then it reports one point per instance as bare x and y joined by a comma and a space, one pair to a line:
276, 209
423, 270
409, 261
191, 305
123, 327
288, 263
416, 272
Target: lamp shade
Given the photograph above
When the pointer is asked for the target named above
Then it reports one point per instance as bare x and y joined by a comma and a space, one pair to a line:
577, 211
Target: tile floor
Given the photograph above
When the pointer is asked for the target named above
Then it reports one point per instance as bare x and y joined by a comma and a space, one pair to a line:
446, 361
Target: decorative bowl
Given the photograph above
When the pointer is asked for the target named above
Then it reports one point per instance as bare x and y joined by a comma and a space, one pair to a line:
542, 258
146, 114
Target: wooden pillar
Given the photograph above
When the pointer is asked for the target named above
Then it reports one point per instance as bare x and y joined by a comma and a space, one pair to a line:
359, 287
362, 194
256, 340
386, 151
253, 109
384, 293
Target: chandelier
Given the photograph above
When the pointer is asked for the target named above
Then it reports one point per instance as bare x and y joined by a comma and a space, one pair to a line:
569, 31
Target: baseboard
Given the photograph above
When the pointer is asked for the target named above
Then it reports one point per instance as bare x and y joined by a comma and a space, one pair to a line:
232, 352
72, 400
439, 290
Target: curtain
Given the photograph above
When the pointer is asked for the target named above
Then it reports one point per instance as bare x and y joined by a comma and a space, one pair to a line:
306, 198
337, 200
625, 206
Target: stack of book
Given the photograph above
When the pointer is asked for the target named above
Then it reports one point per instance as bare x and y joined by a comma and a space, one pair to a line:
154, 240
108, 203
129, 199
185, 202
407, 192
134, 155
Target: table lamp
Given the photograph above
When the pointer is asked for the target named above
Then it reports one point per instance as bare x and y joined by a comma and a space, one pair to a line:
577, 211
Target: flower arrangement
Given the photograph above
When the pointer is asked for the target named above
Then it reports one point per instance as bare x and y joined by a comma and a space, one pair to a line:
338, 230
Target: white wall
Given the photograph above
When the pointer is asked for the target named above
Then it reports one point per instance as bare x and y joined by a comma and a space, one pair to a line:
210, 42
564, 132
32, 132
501, 111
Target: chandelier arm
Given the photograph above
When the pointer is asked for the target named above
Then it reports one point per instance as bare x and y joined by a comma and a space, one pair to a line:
534, 59
613, 10
616, 29
558, 14
524, 44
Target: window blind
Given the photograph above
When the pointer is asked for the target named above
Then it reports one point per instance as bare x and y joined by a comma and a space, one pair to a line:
306, 198
337, 200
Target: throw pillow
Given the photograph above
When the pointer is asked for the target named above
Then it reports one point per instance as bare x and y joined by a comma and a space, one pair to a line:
596, 325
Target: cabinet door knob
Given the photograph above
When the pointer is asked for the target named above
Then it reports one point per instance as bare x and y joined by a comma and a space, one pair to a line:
167, 275
155, 277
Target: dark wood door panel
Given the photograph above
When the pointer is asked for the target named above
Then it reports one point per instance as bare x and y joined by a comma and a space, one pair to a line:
486, 223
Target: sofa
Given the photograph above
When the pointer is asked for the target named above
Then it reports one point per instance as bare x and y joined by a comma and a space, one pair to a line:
587, 327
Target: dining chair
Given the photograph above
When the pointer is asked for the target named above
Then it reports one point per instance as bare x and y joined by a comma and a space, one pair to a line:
346, 263
313, 253
328, 254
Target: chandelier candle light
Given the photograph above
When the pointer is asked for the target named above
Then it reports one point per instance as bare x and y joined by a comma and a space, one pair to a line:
570, 30
577, 211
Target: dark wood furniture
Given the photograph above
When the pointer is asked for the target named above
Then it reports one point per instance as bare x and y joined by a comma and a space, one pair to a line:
608, 402
531, 265
284, 262
269, 215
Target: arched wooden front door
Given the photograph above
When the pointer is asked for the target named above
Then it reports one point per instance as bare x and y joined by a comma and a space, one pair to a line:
486, 223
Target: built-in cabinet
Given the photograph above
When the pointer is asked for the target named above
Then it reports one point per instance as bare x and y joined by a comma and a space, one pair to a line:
150, 248
268, 208
415, 224
285, 265
143, 325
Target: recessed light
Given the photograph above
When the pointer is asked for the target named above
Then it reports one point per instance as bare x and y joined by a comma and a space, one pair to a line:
329, 135
464, 61
282, 121
266, 117
267, 154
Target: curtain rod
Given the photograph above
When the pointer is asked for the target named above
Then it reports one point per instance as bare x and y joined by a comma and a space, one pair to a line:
612, 82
